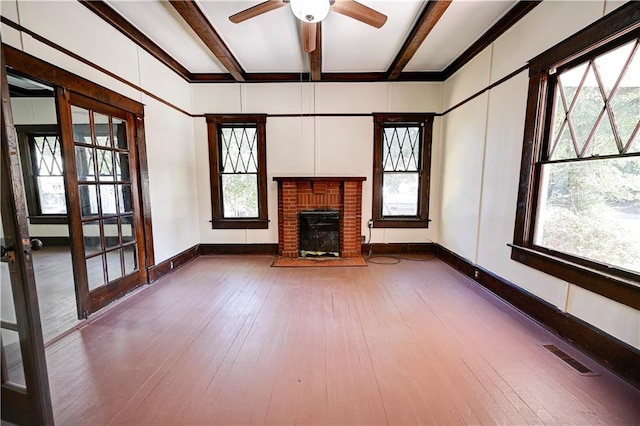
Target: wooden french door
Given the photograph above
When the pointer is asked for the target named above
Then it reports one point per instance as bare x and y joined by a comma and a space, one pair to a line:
25, 385
103, 195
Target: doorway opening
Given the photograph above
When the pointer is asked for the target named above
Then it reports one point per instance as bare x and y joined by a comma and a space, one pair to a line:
80, 168
72, 188
36, 122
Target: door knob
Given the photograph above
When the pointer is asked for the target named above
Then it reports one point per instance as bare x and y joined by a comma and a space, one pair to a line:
5, 250
36, 244
7, 253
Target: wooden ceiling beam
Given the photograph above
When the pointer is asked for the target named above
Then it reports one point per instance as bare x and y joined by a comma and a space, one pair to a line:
113, 18
315, 57
196, 19
428, 19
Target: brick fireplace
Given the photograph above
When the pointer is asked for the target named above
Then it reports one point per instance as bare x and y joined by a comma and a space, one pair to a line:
298, 194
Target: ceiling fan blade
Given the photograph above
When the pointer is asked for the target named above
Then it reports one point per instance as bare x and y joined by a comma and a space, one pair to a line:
359, 12
256, 10
308, 33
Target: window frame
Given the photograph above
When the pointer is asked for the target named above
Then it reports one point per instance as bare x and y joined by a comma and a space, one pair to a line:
214, 124
27, 152
421, 220
615, 29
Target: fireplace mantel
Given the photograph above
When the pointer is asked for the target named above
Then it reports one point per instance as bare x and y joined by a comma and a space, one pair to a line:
319, 178
300, 193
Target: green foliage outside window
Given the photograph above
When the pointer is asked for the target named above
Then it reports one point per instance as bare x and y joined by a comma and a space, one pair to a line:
589, 203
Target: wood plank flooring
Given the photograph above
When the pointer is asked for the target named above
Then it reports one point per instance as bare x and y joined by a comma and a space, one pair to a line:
56, 291
230, 340
55, 287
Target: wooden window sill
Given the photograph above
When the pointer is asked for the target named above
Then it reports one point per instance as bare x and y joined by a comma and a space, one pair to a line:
401, 223
240, 224
48, 220
620, 289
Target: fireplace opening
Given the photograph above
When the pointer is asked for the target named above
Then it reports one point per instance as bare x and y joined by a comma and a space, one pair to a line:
320, 233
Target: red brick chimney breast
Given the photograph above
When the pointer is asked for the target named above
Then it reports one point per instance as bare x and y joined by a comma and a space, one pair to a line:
296, 194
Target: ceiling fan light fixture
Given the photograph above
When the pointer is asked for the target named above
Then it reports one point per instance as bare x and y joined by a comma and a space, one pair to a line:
310, 10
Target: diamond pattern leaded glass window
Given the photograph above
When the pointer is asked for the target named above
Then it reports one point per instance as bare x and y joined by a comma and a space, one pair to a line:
589, 193
238, 162
401, 166
401, 170
597, 106
239, 171
48, 170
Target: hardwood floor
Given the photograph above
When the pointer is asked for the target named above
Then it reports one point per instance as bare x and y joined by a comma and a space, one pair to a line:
231, 340
53, 271
56, 293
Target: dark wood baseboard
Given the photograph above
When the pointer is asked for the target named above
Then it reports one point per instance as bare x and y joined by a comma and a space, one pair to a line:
272, 249
264, 249
54, 241
614, 354
399, 248
163, 268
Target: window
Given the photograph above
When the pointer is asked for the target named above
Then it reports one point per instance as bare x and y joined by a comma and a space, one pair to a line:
237, 153
43, 169
401, 170
578, 212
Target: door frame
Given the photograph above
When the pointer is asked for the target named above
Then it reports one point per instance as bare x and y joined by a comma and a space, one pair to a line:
65, 81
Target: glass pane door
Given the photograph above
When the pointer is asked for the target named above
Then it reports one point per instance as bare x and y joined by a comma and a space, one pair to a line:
12, 366
25, 385
107, 215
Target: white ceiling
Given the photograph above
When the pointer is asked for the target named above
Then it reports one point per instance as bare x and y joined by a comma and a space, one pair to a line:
162, 24
460, 26
270, 43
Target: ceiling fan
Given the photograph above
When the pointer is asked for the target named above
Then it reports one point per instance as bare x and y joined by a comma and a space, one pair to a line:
311, 12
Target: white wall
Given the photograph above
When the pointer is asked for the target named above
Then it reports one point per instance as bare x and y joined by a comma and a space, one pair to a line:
313, 146
172, 178
29, 111
461, 173
482, 146
169, 133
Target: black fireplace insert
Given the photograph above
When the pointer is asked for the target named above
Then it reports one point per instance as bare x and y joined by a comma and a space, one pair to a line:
320, 233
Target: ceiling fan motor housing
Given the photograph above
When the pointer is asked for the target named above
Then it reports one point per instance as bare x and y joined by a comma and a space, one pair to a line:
314, 11
310, 10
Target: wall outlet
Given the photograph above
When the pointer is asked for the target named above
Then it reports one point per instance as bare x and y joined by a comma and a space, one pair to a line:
363, 239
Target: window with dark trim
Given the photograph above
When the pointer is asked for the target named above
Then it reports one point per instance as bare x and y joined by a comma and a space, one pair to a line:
578, 213
237, 158
401, 170
43, 170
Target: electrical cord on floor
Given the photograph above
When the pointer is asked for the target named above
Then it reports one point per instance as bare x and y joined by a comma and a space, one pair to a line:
394, 259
